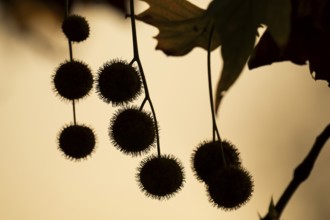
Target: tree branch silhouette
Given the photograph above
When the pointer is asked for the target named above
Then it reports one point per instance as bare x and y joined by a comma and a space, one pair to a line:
301, 173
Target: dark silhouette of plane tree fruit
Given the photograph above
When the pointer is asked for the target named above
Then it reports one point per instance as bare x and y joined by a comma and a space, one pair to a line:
76, 141
118, 82
207, 159
230, 188
132, 131
73, 80
75, 28
160, 177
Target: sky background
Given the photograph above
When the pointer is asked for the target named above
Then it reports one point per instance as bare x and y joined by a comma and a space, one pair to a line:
272, 114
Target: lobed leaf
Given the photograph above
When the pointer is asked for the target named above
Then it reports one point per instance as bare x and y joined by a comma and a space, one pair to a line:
182, 26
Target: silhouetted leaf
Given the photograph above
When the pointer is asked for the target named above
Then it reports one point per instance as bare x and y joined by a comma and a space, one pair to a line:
182, 26
276, 16
308, 40
20, 11
237, 23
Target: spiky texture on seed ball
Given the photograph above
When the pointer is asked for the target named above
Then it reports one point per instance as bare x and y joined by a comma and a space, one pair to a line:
230, 188
132, 131
207, 158
73, 80
118, 82
76, 141
75, 28
160, 177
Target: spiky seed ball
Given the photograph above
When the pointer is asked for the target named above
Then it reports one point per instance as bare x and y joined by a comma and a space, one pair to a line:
118, 82
160, 177
73, 80
76, 141
207, 158
75, 28
132, 131
230, 188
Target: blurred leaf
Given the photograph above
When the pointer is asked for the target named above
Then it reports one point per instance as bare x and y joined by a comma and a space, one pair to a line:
21, 11
308, 40
276, 15
182, 26
237, 23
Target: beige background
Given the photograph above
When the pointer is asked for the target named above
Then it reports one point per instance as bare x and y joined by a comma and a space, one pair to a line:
272, 114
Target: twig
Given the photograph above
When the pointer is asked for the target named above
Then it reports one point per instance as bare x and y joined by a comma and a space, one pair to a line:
144, 81
301, 173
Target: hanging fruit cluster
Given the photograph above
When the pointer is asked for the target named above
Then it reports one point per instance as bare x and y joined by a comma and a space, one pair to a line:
133, 129
218, 165
73, 80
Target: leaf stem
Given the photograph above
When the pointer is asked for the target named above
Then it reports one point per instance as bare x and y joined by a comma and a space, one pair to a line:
215, 131
136, 57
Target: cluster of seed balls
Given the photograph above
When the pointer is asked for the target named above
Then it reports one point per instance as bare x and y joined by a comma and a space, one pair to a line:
133, 130
73, 80
229, 185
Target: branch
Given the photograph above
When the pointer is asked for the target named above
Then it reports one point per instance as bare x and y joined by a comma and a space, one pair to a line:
301, 173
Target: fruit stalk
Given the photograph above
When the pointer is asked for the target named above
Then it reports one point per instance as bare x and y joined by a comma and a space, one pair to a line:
301, 173
215, 131
71, 59
144, 81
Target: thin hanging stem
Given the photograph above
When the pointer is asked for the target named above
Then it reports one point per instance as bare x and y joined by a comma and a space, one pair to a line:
215, 131
144, 81
69, 41
70, 50
143, 103
71, 59
74, 112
